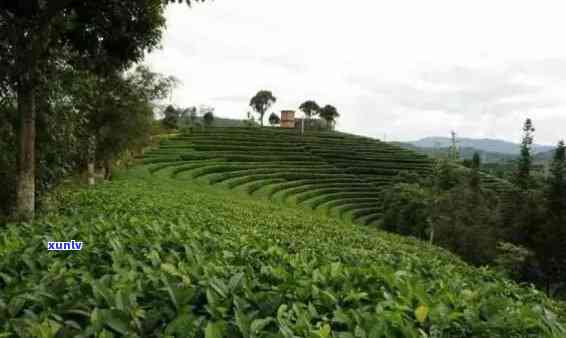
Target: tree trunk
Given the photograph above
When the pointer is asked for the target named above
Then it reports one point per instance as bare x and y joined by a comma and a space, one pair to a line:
25, 188
108, 169
91, 160
27, 53
91, 179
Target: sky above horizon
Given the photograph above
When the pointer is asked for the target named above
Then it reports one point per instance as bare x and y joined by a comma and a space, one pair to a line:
401, 69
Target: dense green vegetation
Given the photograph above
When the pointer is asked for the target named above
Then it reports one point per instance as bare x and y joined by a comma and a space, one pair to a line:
86, 119
466, 153
344, 173
42, 40
480, 217
180, 247
522, 230
164, 257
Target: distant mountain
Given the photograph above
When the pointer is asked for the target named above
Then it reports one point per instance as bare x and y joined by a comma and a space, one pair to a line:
466, 153
545, 156
487, 145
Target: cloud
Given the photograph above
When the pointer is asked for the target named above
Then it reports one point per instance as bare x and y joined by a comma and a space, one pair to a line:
407, 74
456, 90
230, 99
285, 62
550, 69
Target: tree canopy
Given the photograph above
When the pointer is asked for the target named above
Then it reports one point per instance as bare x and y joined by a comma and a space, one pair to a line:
208, 118
274, 119
523, 173
38, 36
261, 102
310, 108
329, 113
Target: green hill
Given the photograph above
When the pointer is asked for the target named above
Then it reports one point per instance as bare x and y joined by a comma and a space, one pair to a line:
466, 153
168, 255
342, 173
487, 145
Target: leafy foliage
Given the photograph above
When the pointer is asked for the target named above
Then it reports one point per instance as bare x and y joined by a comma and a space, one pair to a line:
550, 241
37, 36
171, 117
274, 119
261, 102
82, 115
208, 118
522, 175
407, 210
158, 261
310, 108
329, 113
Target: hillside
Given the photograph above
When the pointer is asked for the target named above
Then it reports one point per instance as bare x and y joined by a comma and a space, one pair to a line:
340, 173
222, 122
544, 157
165, 257
466, 153
487, 145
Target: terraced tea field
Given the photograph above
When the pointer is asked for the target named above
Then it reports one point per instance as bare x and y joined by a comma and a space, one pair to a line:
166, 253
341, 173
163, 257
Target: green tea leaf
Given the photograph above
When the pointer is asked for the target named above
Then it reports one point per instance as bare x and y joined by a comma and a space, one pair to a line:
213, 330
421, 313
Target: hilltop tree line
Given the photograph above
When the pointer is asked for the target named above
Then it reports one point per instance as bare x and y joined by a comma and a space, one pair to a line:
520, 232
264, 100
183, 118
186, 119
49, 52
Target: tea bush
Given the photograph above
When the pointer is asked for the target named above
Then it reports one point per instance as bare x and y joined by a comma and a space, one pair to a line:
164, 258
274, 160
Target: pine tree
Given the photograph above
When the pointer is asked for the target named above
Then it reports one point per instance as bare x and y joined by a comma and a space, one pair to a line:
475, 179
454, 152
556, 193
524, 212
523, 173
550, 248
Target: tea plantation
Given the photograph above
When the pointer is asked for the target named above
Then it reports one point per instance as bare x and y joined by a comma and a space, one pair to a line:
165, 254
344, 174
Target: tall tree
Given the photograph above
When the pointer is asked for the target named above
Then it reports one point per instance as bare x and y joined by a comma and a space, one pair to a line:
475, 178
524, 210
523, 173
192, 115
274, 119
329, 114
261, 102
310, 108
99, 36
120, 111
188, 117
454, 153
556, 194
208, 118
550, 249
171, 117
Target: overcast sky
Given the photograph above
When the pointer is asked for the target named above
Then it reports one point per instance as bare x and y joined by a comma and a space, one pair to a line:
404, 69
